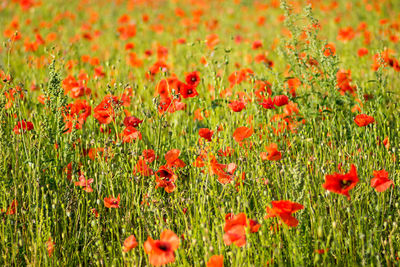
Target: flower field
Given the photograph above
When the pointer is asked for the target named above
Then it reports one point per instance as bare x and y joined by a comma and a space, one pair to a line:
199, 133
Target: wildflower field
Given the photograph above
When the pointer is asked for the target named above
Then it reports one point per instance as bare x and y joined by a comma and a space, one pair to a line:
199, 133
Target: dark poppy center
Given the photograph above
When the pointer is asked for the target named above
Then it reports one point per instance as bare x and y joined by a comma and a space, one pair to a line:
164, 246
345, 183
164, 174
193, 79
190, 91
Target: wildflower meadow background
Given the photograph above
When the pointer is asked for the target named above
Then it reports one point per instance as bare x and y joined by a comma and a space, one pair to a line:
199, 132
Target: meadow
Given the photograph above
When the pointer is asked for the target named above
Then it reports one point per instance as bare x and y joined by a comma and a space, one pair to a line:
199, 133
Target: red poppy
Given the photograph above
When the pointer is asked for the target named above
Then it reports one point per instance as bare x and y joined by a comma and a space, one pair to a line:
321, 251
346, 34
112, 202
234, 229
132, 121
165, 104
362, 51
12, 209
130, 133
24, 125
223, 171
237, 106
216, 261
212, 40
342, 183
173, 160
187, 91
281, 100
292, 85
50, 246
77, 113
330, 50
104, 112
165, 178
257, 44
273, 153
149, 155
95, 212
363, 120
162, 251
242, 133
193, 78
381, 182
284, 209
85, 184
386, 142
268, 103
206, 134
254, 226
343, 78
130, 243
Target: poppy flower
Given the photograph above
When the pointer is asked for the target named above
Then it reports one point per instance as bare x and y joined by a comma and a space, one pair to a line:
281, 100
104, 112
284, 209
162, 251
330, 50
268, 103
212, 40
237, 106
50, 246
321, 251
386, 142
256, 44
24, 125
76, 113
132, 121
85, 184
254, 226
164, 105
242, 133
342, 183
165, 178
173, 160
206, 134
346, 34
130, 133
95, 212
273, 153
193, 78
130, 243
363, 120
292, 85
343, 78
381, 182
112, 202
234, 229
216, 261
12, 209
223, 171
149, 155
187, 91
362, 52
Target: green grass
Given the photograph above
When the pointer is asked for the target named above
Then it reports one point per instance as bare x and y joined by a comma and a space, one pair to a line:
361, 231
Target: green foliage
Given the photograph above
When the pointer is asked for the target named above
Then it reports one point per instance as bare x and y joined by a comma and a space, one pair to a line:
39, 168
